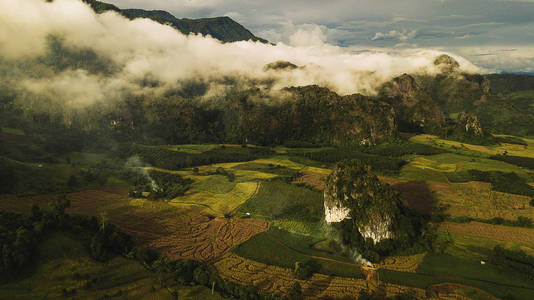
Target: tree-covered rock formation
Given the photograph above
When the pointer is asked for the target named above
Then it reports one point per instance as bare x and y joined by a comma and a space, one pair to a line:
415, 109
370, 216
469, 129
353, 192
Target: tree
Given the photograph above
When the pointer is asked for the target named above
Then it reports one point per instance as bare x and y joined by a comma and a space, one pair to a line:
295, 292
304, 270
98, 247
73, 181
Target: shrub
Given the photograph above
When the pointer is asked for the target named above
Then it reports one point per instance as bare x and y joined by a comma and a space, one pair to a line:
295, 293
304, 270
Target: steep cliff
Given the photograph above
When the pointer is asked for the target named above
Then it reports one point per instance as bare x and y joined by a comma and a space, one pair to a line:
352, 192
415, 109
454, 90
351, 119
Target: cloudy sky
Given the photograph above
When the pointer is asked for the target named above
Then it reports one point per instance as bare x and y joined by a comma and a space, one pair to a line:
494, 34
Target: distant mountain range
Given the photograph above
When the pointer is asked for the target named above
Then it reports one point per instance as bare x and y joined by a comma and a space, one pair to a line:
222, 28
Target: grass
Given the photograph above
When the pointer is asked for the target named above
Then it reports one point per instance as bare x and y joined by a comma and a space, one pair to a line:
490, 278
440, 268
282, 248
217, 184
454, 116
84, 158
477, 150
413, 172
474, 247
478, 200
282, 160
434, 167
218, 203
13, 131
278, 200
266, 168
194, 148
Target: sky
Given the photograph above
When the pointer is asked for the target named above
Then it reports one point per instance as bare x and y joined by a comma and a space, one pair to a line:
496, 35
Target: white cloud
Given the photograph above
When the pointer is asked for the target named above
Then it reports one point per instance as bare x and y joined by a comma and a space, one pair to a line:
145, 49
403, 35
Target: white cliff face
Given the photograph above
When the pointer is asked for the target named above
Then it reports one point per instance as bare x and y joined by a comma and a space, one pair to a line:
335, 213
376, 230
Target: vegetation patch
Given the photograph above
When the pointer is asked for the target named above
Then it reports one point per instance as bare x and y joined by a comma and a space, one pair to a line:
500, 181
379, 164
278, 200
497, 232
526, 162
175, 160
281, 248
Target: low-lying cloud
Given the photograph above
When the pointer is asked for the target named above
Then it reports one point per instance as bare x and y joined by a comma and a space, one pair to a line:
141, 50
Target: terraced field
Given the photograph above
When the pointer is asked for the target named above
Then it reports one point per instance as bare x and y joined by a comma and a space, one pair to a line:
278, 280
222, 220
204, 237
179, 232
407, 264
496, 232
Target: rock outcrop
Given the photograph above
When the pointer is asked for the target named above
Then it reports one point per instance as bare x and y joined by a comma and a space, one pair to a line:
415, 109
446, 64
280, 65
346, 119
471, 124
352, 192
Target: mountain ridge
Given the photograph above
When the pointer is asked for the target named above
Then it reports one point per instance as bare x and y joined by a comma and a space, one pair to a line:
224, 28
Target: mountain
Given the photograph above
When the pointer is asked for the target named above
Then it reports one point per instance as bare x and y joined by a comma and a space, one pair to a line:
415, 109
222, 28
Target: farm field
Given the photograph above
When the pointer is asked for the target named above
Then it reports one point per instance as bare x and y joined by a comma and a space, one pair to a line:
252, 220
280, 248
179, 232
62, 263
278, 280
496, 232
483, 151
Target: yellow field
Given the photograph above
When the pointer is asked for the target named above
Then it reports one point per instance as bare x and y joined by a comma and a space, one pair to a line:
495, 232
218, 203
278, 280
407, 264
459, 291
425, 163
280, 160
477, 200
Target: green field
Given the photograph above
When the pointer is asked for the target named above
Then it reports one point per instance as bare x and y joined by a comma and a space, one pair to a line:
282, 248
262, 188
291, 204
13, 131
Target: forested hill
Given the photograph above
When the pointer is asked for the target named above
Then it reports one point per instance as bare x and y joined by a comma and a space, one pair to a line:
222, 28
